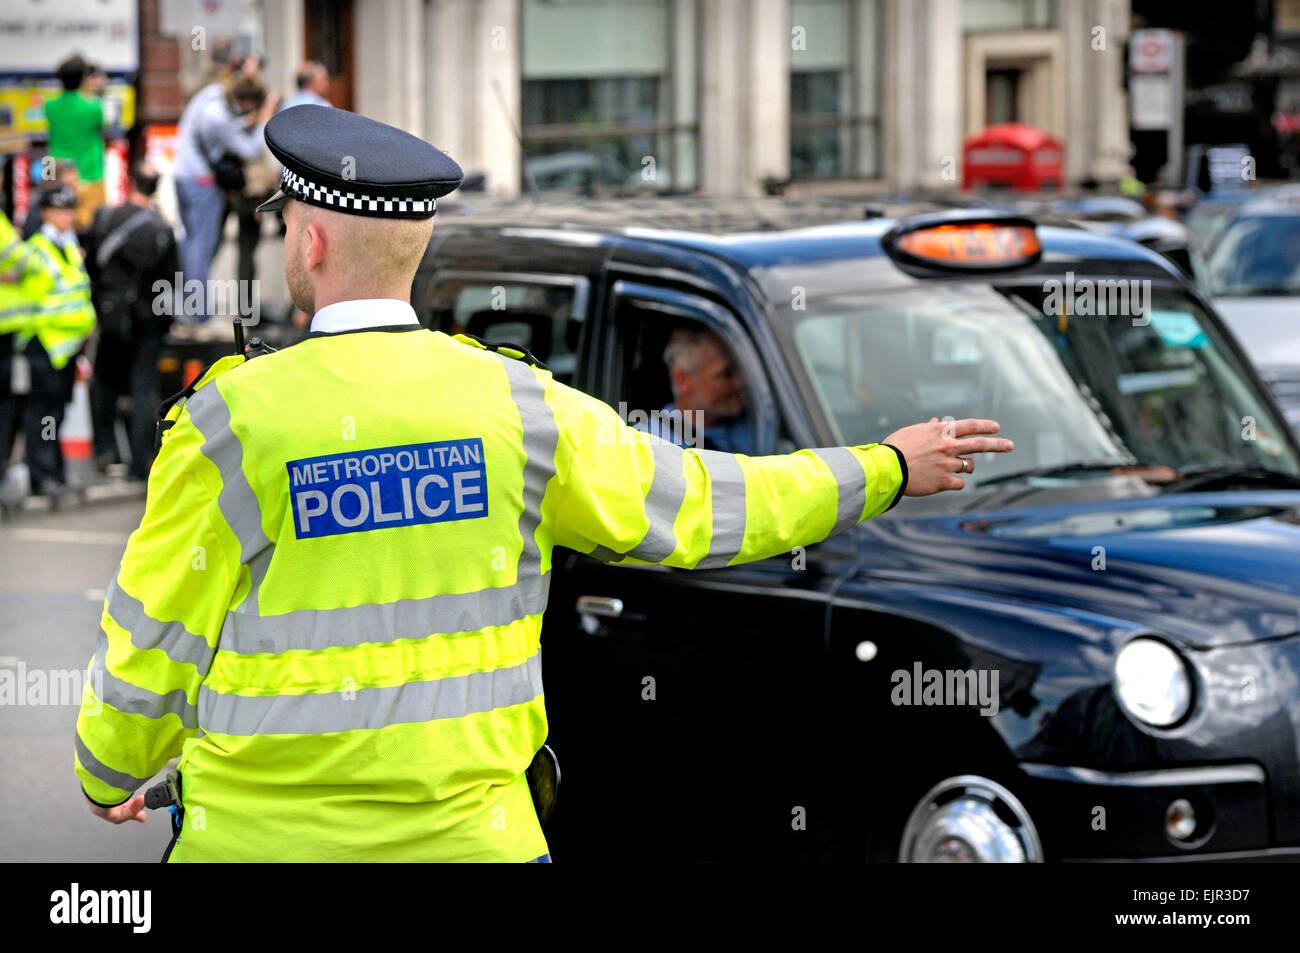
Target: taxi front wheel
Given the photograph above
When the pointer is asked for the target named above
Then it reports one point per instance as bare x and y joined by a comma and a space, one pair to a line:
969, 819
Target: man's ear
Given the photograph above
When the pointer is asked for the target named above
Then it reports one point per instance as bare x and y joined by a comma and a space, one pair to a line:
314, 235
680, 378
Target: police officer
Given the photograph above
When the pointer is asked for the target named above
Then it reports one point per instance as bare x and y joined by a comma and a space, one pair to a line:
53, 339
17, 311
332, 608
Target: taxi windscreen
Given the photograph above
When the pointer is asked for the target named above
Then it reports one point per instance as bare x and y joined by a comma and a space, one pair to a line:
1072, 372
1257, 255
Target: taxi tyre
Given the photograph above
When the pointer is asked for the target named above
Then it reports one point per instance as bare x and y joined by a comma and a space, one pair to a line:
966, 753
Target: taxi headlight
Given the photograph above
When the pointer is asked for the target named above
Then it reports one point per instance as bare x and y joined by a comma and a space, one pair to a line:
1152, 682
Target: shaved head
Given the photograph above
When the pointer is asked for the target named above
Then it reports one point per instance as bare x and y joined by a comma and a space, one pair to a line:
333, 256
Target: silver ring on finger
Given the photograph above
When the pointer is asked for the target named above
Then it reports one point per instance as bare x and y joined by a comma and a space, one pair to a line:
965, 465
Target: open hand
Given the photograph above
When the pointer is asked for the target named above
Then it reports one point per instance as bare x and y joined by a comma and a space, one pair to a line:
937, 452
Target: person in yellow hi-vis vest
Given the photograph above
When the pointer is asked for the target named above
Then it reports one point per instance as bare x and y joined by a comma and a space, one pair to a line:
51, 340
332, 608
18, 309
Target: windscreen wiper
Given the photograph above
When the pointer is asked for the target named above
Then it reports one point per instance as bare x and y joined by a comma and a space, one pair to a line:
1059, 469
1228, 474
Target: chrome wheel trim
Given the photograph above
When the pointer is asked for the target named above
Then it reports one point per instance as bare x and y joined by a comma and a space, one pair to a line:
969, 818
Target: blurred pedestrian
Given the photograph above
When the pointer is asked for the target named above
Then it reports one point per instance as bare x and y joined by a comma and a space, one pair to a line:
313, 86
128, 250
313, 90
65, 173
219, 69
64, 321
220, 131
260, 182
17, 311
261, 179
76, 123
248, 64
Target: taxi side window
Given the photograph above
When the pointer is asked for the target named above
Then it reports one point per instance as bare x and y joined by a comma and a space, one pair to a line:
546, 318
644, 376
680, 379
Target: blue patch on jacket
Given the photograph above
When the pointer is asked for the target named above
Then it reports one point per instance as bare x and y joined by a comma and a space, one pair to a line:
388, 487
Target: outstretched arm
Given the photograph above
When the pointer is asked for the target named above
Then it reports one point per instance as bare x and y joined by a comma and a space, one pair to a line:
628, 495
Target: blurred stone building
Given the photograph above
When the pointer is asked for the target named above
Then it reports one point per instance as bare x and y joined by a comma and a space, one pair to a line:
716, 95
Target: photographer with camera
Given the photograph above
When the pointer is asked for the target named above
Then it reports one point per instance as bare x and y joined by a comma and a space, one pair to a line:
220, 130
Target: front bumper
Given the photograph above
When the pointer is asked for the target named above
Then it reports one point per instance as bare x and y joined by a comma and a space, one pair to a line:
1084, 814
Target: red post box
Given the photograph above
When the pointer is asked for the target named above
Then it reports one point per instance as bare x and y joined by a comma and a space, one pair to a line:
1013, 156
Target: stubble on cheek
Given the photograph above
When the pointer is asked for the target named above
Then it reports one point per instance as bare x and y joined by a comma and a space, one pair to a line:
295, 274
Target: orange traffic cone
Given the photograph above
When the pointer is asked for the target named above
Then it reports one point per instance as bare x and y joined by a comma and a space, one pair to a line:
75, 434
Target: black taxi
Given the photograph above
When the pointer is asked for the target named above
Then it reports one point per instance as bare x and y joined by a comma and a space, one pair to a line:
1092, 652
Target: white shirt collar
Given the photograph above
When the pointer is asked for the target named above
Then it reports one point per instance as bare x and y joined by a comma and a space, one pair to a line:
63, 238
363, 313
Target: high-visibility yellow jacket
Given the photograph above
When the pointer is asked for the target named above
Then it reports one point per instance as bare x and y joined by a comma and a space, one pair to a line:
65, 316
332, 608
19, 304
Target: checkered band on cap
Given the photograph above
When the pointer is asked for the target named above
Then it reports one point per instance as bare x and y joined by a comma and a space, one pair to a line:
323, 195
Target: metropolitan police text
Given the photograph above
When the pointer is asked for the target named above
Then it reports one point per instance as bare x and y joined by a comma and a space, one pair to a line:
387, 487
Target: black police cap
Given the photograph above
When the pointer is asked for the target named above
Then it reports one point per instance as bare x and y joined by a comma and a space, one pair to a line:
341, 161
60, 196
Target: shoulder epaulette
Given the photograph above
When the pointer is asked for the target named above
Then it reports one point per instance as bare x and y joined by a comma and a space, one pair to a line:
170, 409
503, 348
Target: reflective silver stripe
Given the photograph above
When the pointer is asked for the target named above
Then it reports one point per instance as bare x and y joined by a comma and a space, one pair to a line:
9, 250
370, 708
852, 480
209, 413
727, 491
257, 569
134, 700
244, 633
180, 644
662, 503
43, 252
541, 437
73, 305
21, 260
102, 772
45, 309
67, 348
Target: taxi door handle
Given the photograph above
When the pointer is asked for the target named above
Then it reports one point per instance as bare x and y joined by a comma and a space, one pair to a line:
602, 606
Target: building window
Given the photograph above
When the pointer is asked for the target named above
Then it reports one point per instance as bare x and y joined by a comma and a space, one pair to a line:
979, 16
834, 89
609, 94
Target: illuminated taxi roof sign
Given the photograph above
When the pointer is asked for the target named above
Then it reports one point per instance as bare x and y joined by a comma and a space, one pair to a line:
965, 242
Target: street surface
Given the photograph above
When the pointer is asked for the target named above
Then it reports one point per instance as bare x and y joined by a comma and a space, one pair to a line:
54, 568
